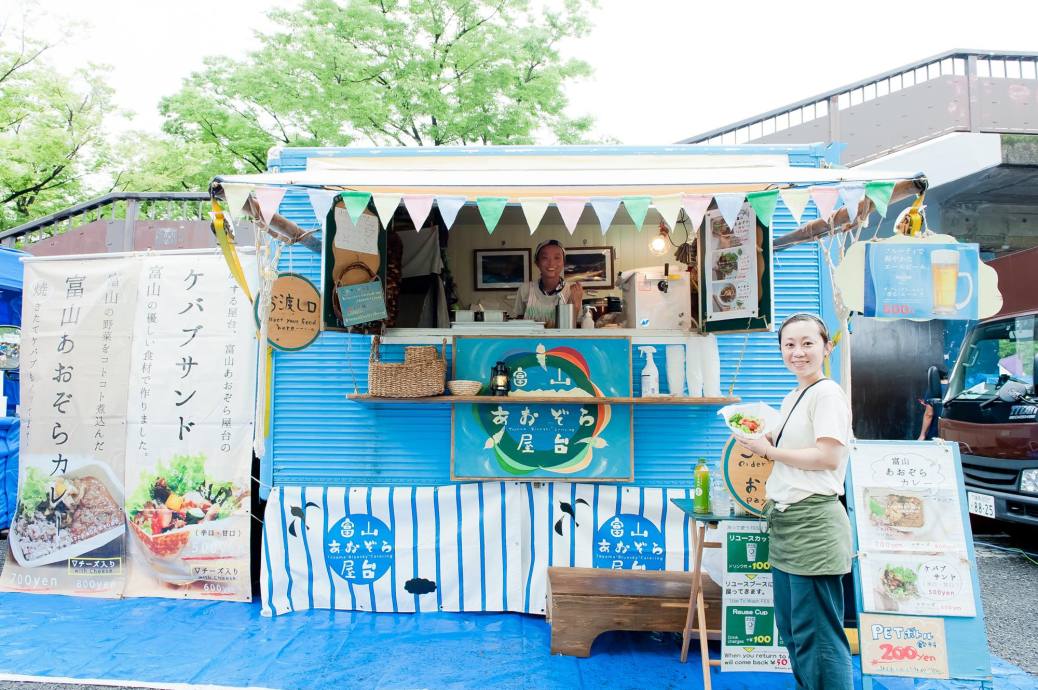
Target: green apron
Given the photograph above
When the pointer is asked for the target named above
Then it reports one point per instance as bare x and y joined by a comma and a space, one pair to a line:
810, 537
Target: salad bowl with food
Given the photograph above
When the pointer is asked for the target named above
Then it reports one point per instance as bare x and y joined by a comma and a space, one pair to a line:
177, 506
749, 420
65, 516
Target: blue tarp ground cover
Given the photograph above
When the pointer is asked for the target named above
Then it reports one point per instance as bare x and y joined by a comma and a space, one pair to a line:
230, 644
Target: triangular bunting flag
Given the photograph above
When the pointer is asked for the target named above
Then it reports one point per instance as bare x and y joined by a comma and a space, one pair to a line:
825, 200
355, 202
880, 193
729, 204
605, 209
795, 199
637, 207
695, 206
491, 208
321, 201
385, 207
534, 209
763, 204
668, 207
571, 208
449, 207
418, 206
269, 199
235, 195
852, 193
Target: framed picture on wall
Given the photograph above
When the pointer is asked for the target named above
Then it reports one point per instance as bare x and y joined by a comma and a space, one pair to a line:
592, 267
500, 269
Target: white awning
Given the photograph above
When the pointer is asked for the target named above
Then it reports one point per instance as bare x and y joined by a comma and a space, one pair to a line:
519, 182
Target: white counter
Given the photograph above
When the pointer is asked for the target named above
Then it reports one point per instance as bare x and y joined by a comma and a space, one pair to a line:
436, 335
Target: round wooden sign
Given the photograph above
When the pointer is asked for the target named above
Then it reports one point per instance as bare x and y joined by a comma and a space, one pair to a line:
295, 312
745, 473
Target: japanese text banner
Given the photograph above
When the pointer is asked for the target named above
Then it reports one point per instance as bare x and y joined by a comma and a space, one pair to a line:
114, 442
68, 531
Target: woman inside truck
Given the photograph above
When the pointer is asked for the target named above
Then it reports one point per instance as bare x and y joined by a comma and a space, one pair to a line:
537, 300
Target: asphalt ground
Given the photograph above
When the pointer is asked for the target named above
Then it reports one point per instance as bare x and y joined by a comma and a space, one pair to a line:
1008, 583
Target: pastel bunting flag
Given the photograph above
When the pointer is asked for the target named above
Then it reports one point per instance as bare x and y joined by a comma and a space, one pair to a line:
852, 193
763, 204
355, 202
571, 208
386, 206
418, 207
605, 209
637, 207
825, 200
321, 201
533, 211
269, 199
668, 206
695, 206
491, 208
449, 207
880, 193
729, 204
236, 195
795, 199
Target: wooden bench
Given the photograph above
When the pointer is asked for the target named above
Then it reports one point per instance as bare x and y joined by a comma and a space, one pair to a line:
583, 603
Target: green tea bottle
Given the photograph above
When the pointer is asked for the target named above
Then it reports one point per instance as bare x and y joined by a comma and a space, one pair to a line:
701, 488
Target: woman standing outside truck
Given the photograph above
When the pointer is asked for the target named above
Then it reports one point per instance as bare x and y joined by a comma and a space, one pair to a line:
810, 535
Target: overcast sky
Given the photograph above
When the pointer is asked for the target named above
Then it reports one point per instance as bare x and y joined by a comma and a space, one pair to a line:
664, 69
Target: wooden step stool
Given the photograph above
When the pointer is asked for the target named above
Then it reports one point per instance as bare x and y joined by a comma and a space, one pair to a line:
583, 603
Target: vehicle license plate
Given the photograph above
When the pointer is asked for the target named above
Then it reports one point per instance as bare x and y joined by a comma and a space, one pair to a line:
981, 504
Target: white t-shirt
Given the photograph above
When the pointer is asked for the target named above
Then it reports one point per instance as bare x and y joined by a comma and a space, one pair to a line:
824, 412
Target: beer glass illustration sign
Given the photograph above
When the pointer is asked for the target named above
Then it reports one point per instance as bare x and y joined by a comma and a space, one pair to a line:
553, 423
921, 281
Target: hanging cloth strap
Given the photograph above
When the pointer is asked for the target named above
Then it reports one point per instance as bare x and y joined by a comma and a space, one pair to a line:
792, 409
230, 254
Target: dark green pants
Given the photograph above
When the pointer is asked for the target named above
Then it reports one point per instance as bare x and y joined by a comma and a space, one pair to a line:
809, 614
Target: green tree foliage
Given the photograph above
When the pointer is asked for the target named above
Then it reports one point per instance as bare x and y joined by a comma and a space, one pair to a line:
145, 162
51, 137
389, 72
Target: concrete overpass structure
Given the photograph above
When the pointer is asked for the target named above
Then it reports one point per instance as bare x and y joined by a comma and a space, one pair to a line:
967, 118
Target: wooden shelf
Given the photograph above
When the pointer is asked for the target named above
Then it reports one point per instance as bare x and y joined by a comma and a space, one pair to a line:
539, 399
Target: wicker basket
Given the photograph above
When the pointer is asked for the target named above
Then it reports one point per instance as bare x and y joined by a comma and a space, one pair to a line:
419, 376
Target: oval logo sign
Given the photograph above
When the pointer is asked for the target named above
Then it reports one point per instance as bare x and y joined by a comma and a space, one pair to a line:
295, 312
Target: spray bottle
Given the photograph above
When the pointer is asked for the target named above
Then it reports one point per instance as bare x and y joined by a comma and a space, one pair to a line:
650, 375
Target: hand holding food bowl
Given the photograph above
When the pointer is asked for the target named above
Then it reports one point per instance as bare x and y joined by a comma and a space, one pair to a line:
749, 421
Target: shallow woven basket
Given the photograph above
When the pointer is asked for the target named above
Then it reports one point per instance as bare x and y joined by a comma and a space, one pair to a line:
464, 387
418, 376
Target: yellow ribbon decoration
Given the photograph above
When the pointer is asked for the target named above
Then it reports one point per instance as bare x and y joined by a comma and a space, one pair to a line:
827, 369
230, 253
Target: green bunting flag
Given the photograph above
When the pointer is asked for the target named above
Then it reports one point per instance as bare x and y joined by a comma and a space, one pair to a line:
491, 208
763, 204
355, 202
637, 207
880, 193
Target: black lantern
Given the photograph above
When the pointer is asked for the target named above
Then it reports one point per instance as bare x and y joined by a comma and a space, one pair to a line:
499, 379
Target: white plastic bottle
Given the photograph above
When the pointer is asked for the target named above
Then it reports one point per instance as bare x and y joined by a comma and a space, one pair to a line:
650, 374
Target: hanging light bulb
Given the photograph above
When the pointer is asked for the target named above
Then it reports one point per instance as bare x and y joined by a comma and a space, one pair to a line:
659, 244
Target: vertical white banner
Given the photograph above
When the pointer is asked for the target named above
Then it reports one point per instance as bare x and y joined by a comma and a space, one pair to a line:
68, 533
189, 449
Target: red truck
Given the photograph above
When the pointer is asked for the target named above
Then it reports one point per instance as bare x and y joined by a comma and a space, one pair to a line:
991, 405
